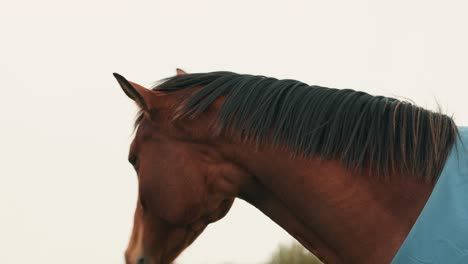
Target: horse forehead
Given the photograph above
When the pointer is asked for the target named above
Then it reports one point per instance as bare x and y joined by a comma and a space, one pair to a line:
164, 144
143, 134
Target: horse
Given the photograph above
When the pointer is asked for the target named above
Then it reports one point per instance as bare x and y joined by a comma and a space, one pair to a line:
344, 172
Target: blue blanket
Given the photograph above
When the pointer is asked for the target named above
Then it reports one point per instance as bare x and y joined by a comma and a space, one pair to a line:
440, 234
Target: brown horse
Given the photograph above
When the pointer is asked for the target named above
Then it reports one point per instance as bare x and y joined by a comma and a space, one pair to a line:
344, 172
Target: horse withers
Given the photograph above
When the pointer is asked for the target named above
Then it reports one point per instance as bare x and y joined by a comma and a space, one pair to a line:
345, 173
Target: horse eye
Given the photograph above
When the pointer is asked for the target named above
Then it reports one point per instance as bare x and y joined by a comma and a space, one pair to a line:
143, 204
132, 159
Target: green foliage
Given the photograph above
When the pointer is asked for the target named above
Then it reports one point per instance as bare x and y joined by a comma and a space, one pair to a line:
293, 254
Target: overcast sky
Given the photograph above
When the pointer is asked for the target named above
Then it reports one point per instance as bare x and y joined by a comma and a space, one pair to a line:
67, 193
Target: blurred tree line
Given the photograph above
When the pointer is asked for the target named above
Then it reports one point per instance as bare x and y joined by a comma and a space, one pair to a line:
294, 253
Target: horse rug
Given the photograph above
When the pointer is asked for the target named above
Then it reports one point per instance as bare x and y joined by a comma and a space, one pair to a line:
440, 234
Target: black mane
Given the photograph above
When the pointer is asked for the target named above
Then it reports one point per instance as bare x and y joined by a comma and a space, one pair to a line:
382, 134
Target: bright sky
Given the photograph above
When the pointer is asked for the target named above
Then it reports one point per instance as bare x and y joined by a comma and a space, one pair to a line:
67, 193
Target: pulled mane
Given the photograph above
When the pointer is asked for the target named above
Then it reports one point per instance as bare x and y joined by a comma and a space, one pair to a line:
382, 134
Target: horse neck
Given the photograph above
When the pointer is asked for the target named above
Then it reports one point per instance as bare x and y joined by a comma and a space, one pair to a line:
339, 215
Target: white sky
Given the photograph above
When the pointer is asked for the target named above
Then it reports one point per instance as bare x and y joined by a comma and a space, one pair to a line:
67, 194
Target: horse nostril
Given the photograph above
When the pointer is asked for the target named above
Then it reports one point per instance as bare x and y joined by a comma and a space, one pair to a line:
141, 260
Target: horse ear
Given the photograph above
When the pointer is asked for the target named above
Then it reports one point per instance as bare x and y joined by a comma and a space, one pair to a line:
136, 92
180, 71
